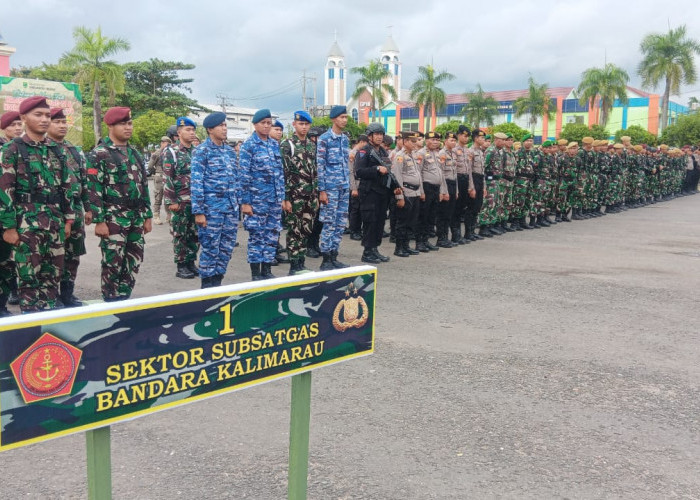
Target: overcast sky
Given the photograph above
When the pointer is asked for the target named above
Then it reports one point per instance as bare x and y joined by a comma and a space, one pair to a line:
247, 49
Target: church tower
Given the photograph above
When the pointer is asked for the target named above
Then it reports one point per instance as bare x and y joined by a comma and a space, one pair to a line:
334, 80
390, 59
5, 52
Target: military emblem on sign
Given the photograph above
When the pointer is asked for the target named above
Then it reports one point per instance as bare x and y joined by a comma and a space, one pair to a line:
47, 369
351, 312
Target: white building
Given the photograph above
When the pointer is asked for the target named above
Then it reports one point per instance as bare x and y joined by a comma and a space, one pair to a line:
334, 79
238, 120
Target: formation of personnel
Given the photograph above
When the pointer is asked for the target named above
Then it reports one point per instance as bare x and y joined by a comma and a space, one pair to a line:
459, 188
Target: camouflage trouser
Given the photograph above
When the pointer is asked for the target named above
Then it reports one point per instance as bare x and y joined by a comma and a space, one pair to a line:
263, 231
7, 268
299, 224
506, 209
565, 195
75, 247
521, 197
578, 198
552, 195
539, 193
157, 193
612, 191
590, 191
39, 262
122, 254
489, 212
217, 240
334, 216
184, 232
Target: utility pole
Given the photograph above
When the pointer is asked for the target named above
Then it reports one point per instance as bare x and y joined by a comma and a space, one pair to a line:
224, 101
303, 91
308, 102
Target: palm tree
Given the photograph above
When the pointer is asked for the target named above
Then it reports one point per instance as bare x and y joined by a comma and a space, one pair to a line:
535, 104
89, 58
607, 83
479, 107
668, 57
370, 80
425, 90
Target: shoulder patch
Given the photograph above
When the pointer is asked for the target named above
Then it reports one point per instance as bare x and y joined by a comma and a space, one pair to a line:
399, 159
459, 151
361, 153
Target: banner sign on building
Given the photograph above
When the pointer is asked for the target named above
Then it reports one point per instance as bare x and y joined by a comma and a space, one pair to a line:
69, 371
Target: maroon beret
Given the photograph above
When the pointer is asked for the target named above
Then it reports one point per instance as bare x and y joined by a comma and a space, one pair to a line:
7, 119
57, 114
31, 103
117, 114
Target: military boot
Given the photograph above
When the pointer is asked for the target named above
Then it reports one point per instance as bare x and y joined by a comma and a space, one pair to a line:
369, 257
543, 221
217, 279
193, 267
280, 257
66, 294
183, 271
156, 220
381, 257
13, 298
408, 249
443, 242
495, 230
473, 235
421, 246
327, 264
4, 313
294, 266
456, 236
335, 262
400, 251
266, 271
255, 271
302, 266
430, 246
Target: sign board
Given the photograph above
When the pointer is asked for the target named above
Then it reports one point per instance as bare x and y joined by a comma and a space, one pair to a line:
59, 95
68, 371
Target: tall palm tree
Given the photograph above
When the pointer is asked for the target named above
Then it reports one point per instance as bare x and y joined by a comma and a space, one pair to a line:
535, 104
370, 80
425, 90
89, 58
668, 57
607, 83
479, 108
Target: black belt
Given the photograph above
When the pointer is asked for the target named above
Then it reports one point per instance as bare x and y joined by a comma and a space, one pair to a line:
466, 176
509, 177
50, 199
414, 187
123, 201
493, 177
451, 181
527, 176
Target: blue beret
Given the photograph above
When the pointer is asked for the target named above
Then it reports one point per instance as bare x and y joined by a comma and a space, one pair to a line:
302, 116
183, 121
336, 111
261, 114
278, 124
215, 119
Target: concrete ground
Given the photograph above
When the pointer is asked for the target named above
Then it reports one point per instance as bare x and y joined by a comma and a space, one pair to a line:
555, 363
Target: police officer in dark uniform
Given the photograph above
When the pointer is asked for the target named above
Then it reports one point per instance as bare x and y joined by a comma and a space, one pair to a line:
373, 167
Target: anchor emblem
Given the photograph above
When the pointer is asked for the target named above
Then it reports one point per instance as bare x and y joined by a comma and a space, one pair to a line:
46, 368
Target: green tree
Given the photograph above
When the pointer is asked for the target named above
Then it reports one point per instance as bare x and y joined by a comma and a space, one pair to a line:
509, 128
451, 126
668, 57
637, 134
480, 108
370, 79
607, 84
89, 60
685, 131
577, 131
156, 85
599, 132
150, 127
535, 104
425, 91
353, 128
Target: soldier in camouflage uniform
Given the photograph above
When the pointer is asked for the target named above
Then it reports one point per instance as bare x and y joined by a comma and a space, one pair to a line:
262, 195
11, 126
523, 188
334, 187
36, 207
300, 190
120, 204
568, 172
493, 172
177, 170
506, 188
215, 196
550, 174
155, 168
75, 241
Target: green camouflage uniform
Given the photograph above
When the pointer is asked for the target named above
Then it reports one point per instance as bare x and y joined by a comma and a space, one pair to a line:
301, 190
35, 199
176, 173
493, 171
507, 183
568, 186
522, 189
118, 188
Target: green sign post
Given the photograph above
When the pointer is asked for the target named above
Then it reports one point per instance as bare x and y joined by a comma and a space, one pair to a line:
84, 369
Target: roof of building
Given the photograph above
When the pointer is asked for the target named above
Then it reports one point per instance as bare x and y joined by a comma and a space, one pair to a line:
390, 45
335, 50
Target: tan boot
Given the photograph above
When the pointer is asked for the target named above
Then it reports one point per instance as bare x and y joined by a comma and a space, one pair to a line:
167, 217
156, 220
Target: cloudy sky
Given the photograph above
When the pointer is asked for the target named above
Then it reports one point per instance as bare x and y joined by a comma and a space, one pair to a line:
261, 48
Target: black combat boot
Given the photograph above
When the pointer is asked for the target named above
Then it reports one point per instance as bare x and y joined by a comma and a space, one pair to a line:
281, 258
266, 271
183, 271
66, 294
456, 236
13, 298
505, 226
381, 257
408, 249
4, 313
335, 262
421, 246
400, 250
302, 266
430, 246
542, 219
558, 218
327, 264
255, 271
193, 267
473, 235
369, 257
294, 266
443, 242
217, 279
484, 232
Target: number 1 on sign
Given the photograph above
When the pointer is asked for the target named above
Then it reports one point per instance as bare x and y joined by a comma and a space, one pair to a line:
228, 327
